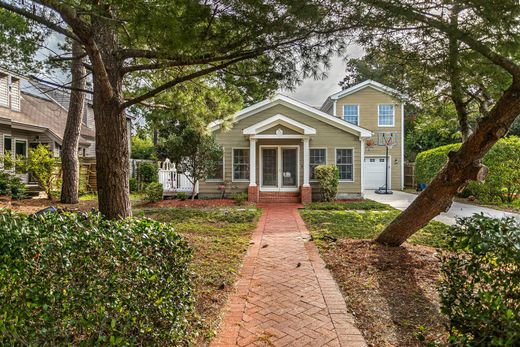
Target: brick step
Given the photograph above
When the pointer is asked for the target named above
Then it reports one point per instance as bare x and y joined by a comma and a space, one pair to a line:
293, 197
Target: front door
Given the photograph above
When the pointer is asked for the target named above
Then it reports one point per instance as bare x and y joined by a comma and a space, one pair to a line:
279, 168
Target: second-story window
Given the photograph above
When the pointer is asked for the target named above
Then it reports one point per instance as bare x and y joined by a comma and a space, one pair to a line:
351, 113
386, 115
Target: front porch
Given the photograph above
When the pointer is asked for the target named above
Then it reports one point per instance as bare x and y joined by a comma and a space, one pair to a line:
279, 160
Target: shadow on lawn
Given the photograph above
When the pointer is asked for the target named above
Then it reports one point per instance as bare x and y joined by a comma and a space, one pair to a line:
399, 273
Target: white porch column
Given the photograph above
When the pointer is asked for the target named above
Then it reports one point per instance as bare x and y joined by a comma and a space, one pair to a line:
306, 155
252, 162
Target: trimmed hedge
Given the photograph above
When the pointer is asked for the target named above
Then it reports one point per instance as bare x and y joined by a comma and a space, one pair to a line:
503, 161
72, 279
430, 162
480, 288
154, 192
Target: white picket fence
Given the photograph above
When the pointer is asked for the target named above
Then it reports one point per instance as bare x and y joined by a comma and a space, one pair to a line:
174, 181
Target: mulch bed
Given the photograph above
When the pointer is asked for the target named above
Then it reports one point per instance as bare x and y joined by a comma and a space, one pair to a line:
29, 206
391, 291
192, 203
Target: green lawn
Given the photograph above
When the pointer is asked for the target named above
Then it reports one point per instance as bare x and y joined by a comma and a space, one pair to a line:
362, 220
220, 237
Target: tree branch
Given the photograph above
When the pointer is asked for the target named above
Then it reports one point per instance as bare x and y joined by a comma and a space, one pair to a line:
59, 85
178, 80
38, 19
410, 13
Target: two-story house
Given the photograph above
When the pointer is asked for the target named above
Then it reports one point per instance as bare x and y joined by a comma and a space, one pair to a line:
273, 146
33, 113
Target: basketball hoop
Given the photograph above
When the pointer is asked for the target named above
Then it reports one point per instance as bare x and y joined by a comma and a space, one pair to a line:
387, 139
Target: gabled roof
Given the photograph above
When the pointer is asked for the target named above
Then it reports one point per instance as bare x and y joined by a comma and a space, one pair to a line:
365, 84
279, 99
276, 120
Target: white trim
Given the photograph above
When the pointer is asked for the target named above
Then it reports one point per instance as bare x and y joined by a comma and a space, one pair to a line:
326, 152
252, 162
358, 112
362, 168
278, 119
402, 145
274, 136
216, 180
279, 164
233, 165
393, 116
335, 111
298, 106
353, 163
389, 164
365, 84
306, 161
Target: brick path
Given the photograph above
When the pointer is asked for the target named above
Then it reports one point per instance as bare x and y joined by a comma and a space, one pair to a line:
284, 295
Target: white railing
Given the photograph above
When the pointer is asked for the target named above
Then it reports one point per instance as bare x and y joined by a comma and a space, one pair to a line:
174, 181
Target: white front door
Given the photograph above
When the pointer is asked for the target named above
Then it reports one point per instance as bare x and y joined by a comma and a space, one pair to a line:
375, 172
279, 168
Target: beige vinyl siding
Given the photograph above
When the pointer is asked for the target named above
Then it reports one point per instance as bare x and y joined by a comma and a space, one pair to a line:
90, 117
368, 100
4, 90
327, 136
15, 94
273, 130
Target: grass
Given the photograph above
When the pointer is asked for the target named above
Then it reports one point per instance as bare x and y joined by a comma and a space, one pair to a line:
220, 237
391, 291
352, 221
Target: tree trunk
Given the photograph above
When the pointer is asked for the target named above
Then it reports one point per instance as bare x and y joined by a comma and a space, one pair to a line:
69, 150
462, 166
193, 189
112, 145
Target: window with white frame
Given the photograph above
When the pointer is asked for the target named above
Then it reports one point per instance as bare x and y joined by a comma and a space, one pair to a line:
240, 164
317, 156
351, 113
345, 163
386, 115
217, 174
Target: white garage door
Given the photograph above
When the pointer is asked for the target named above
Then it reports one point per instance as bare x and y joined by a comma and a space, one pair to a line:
374, 172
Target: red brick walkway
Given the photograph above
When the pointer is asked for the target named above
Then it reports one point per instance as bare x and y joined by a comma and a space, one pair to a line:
284, 295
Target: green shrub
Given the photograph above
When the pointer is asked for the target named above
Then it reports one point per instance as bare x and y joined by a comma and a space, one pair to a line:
480, 289
134, 186
154, 192
240, 198
351, 205
503, 161
12, 186
44, 166
181, 196
328, 177
72, 279
430, 162
148, 172
503, 180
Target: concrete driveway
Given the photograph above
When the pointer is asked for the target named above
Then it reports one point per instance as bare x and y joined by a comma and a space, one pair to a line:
402, 200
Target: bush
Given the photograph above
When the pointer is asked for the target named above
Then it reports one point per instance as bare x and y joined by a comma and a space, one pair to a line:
154, 192
503, 180
72, 279
328, 177
240, 198
148, 172
12, 186
503, 161
134, 186
430, 162
480, 289
181, 196
44, 166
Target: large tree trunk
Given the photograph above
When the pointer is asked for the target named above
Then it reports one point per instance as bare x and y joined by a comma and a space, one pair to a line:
69, 151
112, 159
112, 146
462, 166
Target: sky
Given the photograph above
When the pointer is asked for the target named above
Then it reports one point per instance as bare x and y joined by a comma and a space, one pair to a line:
314, 92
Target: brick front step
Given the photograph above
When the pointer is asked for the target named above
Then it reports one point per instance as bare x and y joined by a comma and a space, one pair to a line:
293, 197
